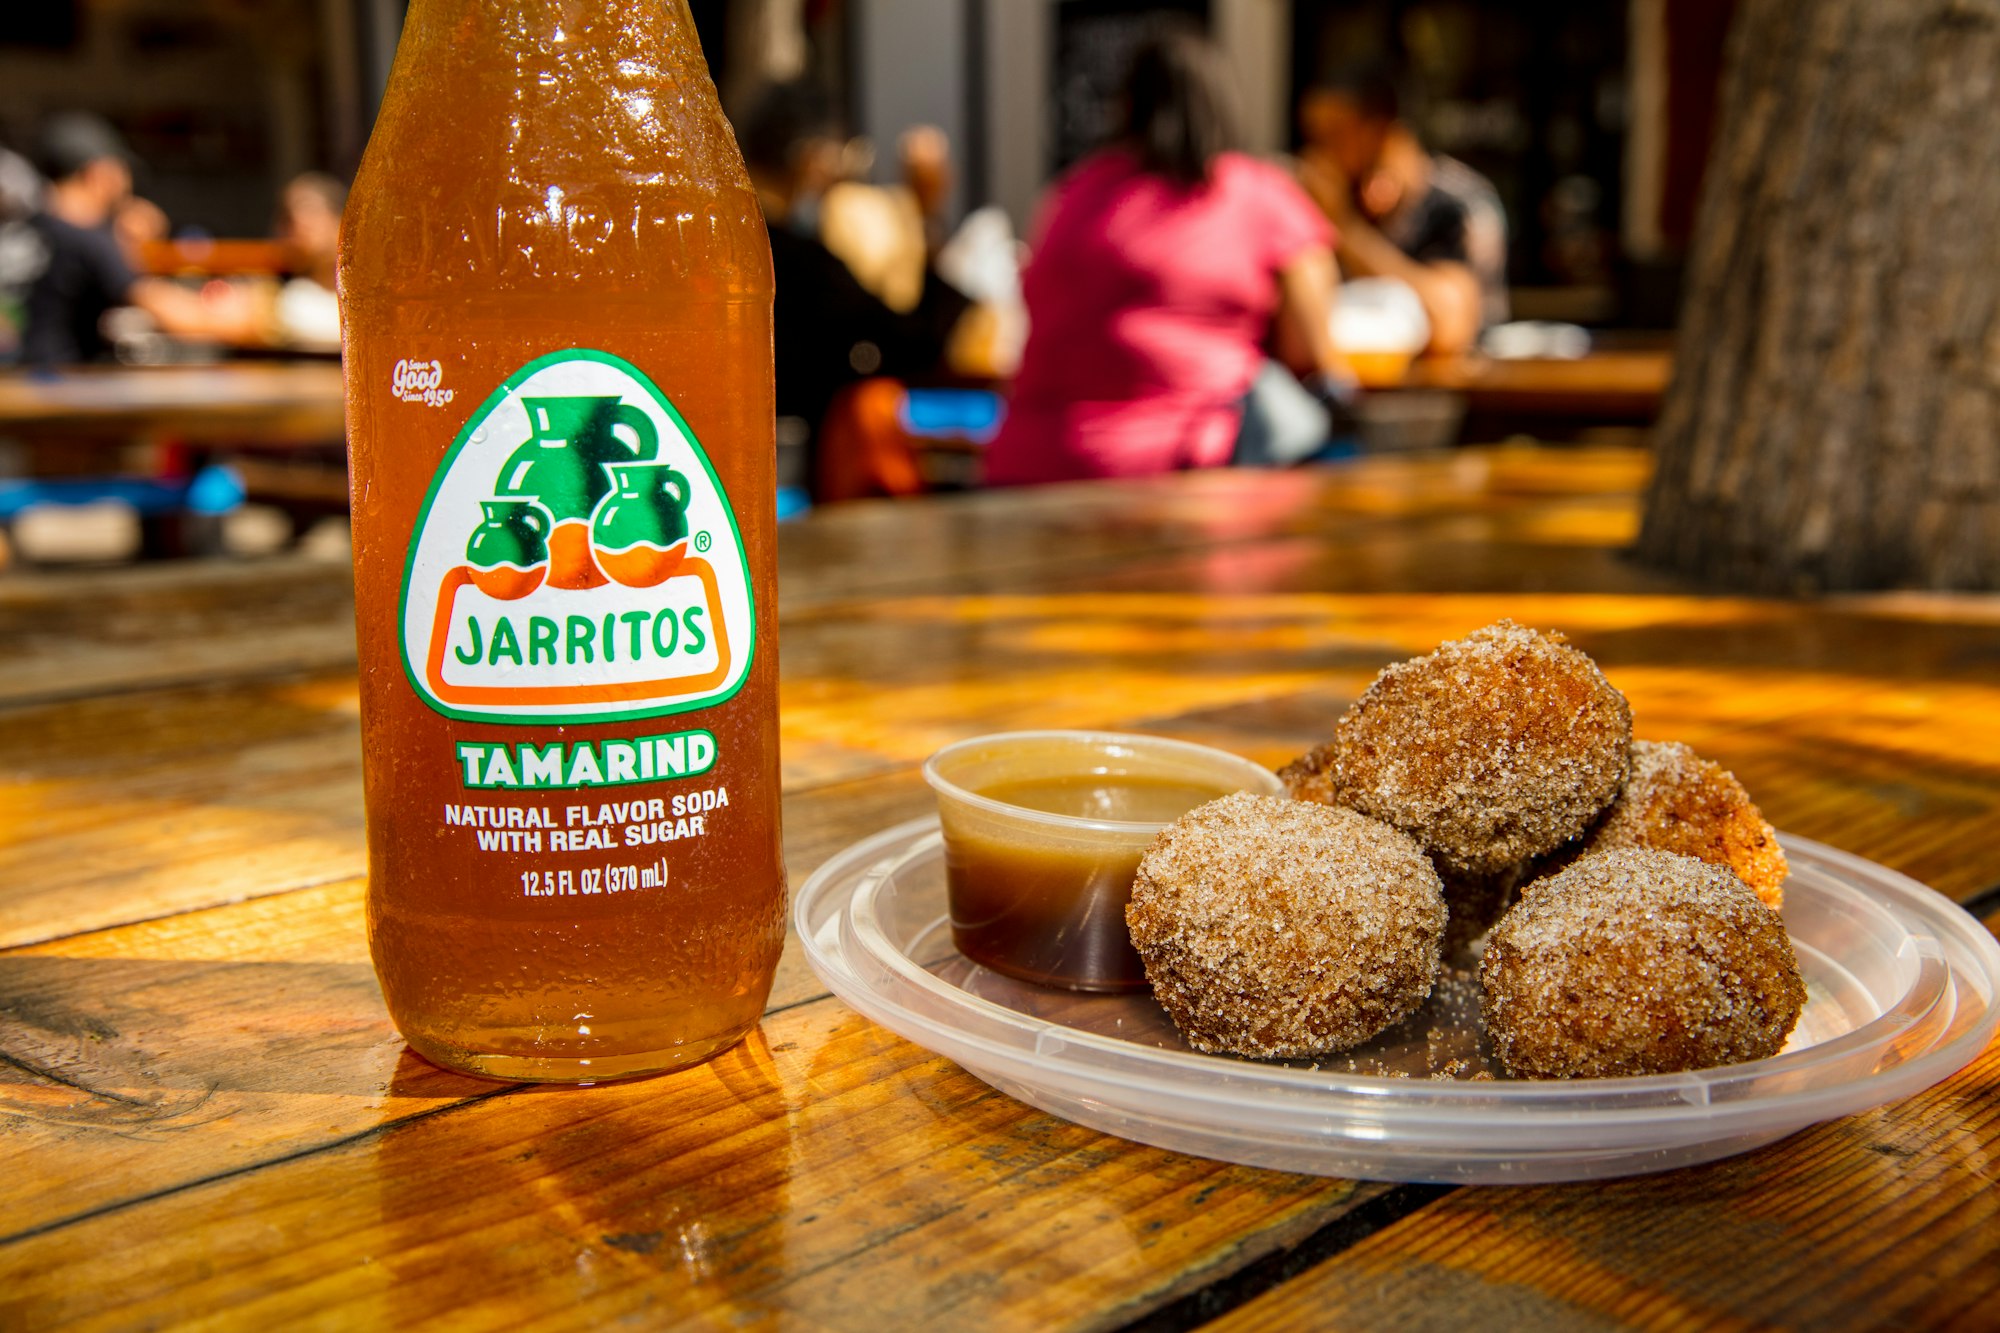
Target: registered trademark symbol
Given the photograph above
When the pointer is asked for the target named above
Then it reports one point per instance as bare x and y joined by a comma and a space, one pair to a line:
702, 541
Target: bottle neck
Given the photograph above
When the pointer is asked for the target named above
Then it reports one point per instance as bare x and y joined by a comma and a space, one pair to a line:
539, 142
553, 53
546, 90
558, 23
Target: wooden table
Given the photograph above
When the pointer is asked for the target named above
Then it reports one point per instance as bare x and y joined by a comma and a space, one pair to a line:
1608, 396
279, 424
220, 257
209, 1117
255, 402
1617, 384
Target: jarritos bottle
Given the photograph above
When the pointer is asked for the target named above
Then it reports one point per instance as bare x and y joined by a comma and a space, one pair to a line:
556, 288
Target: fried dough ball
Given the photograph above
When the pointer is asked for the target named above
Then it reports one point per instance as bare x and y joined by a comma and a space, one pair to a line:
1492, 750
1310, 776
1635, 961
1676, 801
1272, 927
1475, 901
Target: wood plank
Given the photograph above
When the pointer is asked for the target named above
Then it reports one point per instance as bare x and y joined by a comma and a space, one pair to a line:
318, 933
130, 806
210, 790
1609, 383
1887, 1219
834, 1170
126, 807
219, 257
1045, 537
253, 402
143, 1057
76, 635
826, 1172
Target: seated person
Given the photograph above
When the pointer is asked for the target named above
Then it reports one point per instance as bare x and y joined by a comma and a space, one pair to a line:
1422, 218
887, 234
20, 250
308, 313
1164, 266
829, 332
85, 271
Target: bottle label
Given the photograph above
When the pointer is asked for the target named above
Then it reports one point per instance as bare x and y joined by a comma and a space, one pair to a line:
576, 559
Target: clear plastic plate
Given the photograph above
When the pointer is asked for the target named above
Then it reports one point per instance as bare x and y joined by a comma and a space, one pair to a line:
1901, 993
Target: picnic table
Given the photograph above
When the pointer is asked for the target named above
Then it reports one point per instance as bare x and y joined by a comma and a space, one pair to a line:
1616, 383
279, 425
209, 1117
235, 402
1436, 401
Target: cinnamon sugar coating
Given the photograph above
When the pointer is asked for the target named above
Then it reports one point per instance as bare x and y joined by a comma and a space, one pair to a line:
1310, 776
1276, 928
1494, 749
1676, 801
1475, 902
1635, 961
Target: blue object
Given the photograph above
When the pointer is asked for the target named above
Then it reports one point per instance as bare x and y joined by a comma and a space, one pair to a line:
792, 501
968, 413
213, 490
1339, 450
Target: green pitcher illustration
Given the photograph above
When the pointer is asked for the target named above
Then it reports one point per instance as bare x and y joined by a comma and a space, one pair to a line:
562, 466
640, 529
509, 551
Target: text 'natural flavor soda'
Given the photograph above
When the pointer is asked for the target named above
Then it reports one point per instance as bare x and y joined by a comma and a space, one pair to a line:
556, 295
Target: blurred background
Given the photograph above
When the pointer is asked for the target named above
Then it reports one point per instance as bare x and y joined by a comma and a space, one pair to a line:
1560, 145
1591, 120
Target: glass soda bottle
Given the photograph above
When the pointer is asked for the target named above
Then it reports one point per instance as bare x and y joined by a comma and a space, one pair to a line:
556, 292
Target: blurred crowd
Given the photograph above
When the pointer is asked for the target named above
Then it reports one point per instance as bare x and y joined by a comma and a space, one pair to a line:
86, 265
1177, 302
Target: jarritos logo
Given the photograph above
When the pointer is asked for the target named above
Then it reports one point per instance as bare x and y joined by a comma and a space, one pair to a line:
576, 559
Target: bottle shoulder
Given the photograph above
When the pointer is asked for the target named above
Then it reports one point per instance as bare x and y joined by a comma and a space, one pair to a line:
603, 178
576, 232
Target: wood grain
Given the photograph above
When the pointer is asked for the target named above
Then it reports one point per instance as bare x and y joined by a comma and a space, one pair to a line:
196, 766
264, 403
85, 634
143, 1057
209, 1116
1886, 1219
129, 805
1618, 383
317, 933
824, 1170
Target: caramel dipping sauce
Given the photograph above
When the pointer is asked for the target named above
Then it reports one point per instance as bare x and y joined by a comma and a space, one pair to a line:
1140, 798
1043, 831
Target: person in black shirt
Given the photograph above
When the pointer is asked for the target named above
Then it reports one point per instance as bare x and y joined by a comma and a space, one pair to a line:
1404, 213
829, 331
84, 274
84, 271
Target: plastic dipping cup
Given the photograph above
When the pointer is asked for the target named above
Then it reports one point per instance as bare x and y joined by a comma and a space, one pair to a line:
1043, 831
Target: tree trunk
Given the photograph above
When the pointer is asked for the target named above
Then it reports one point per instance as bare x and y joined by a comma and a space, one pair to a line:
1834, 420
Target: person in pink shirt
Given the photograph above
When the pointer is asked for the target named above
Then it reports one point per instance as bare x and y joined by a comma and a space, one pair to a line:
1165, 268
